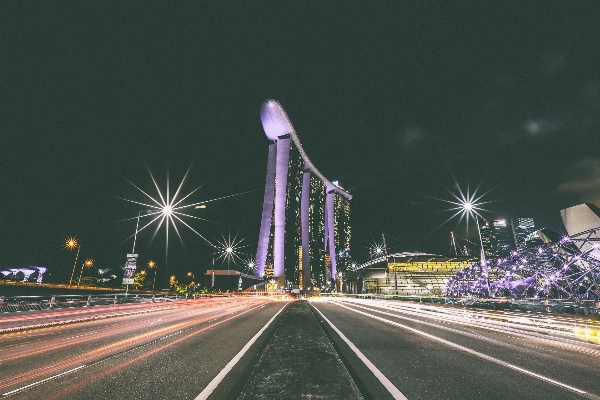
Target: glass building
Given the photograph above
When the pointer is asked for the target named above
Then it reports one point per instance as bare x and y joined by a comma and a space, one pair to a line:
495, 238
502, 245
521, 229
486, 233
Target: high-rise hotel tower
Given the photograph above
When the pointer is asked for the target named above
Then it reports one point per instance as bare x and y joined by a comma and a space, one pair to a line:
305, 226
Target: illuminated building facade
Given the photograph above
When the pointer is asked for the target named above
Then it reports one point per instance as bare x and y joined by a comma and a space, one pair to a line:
495, 237
305, 226
522, 228
406, 274
15, 273
502, 245
486, 233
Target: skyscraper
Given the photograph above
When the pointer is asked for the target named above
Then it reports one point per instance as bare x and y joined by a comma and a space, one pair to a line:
305, 225
502, 246
487, 237
522, 228
495, 238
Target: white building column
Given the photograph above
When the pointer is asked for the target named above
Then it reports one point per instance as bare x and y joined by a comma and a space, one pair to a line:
267, 213
281, 176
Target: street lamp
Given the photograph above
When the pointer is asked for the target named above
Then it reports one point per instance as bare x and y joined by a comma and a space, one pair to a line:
469, 209
191, 275
251, 266
88, 263
70, 244
152, 265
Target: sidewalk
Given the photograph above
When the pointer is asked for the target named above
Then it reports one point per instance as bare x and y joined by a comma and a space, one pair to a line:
300, 362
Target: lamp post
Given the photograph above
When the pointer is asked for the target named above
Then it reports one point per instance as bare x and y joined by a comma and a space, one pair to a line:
193, 276
88, 263
136, 232
130, 266
468, 207
70, 244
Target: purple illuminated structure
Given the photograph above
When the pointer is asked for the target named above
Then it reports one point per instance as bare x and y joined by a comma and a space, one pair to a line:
298, 200
27, 272
554, 267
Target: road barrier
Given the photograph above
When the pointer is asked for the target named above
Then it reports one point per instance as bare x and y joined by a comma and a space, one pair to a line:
28, 303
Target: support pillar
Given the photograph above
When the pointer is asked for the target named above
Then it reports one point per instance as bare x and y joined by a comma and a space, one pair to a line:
267, 213
281, 176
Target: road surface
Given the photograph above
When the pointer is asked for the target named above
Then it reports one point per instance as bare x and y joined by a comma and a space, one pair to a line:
262, 348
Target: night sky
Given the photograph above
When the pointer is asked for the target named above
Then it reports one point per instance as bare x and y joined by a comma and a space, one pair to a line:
394, 101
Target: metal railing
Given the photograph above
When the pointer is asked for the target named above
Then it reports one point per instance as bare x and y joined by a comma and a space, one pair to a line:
29, 303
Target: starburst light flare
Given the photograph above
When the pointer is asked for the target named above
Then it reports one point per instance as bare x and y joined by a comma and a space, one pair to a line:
377, 249
249, 264
467, 205
170, 211
228, 250
70, 244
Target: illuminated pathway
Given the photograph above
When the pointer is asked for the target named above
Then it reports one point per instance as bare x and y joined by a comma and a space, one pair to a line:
341, 348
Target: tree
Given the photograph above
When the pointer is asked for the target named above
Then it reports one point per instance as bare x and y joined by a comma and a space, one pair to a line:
140, 280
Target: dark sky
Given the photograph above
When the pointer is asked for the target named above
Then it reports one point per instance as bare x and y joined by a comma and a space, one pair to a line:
394, 101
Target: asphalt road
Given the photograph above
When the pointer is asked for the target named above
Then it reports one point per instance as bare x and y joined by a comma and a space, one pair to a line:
165, 354
433, 352
259, 348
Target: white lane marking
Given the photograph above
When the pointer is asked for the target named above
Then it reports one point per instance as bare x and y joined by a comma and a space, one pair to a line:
470, 351
382, 378
42, 381
217, 380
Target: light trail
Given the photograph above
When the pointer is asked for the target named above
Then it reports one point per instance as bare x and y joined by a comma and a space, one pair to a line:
147, 354
78, 315
49, 343
221, 375
547, 339
507, 322
130, 342
555, 328
470, 351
